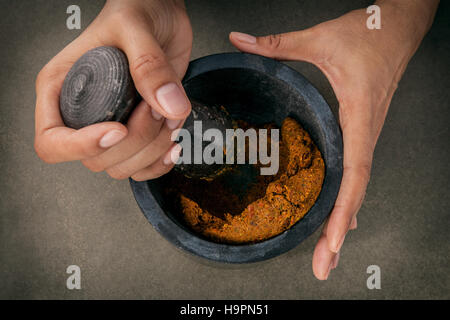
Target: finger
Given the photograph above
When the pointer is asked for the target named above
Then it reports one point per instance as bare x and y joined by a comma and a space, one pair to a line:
56, 143
148, 155
298, 45
323, 259
60, 144
358, 153
160, 167
143, 127
153, 75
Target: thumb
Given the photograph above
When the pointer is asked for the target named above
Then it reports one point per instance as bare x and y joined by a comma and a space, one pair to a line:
297, 45
60, 144
153, 75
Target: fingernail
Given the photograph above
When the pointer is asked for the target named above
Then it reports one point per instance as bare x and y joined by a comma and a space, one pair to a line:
335, 261
156, 115
172, 124
172, 156
111, 138
172, 99
243, 37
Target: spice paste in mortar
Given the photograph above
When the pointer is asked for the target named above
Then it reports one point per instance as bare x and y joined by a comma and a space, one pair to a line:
271, 205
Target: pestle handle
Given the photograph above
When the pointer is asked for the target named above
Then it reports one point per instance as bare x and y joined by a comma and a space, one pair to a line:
98, 88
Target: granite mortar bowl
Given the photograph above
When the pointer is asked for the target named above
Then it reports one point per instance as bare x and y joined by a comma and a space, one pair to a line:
259, 90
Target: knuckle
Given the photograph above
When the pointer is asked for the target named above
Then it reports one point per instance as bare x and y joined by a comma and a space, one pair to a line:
146, 176
140, 177
361, 170
93, 165
51, 75
150, 174
88, 150
143, 137
273, 41
365, 170
144, 65
41, 152
42, 77
117, 173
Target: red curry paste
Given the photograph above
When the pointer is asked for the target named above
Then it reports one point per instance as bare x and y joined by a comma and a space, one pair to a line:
271, 205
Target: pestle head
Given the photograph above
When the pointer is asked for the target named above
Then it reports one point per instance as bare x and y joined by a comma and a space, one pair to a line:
99, 88
211, 117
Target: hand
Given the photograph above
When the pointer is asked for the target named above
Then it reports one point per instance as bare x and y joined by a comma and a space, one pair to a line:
156, 36
363, 67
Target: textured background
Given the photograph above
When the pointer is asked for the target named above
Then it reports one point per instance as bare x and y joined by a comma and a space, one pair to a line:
52, 216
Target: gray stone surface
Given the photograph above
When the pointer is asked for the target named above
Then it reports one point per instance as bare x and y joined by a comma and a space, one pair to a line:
52, 216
